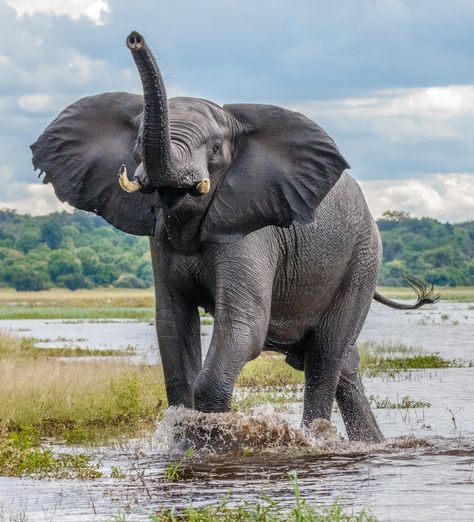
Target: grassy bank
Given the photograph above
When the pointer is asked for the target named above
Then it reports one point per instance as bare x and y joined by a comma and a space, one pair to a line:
60, 303
463, 294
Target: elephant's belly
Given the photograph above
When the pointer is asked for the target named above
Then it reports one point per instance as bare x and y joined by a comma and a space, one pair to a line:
290, 330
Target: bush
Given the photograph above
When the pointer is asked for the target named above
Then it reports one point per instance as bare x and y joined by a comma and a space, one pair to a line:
73, 281
129, 281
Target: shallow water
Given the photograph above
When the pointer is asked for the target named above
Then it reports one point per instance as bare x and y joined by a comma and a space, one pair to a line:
447, 328
433, 481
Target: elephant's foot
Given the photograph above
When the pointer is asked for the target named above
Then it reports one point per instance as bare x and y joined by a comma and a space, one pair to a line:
356, 411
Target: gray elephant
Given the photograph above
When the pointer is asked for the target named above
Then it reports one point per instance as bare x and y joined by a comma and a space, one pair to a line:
250, 215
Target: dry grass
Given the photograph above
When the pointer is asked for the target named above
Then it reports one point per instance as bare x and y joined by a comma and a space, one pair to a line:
103, 303
269, 370
107, 297
459, 293
60, 303
78, 401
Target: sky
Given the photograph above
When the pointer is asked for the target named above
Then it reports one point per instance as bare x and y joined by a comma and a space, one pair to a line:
392, 81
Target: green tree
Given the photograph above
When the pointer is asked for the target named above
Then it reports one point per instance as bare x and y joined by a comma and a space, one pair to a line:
63, 262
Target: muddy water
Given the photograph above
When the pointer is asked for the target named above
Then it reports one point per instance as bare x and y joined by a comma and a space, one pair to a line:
400, 480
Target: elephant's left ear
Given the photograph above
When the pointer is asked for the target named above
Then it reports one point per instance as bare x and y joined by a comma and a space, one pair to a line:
284, 165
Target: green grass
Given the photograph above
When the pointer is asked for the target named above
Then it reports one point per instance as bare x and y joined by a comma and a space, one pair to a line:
264, 510
175, 470
22, 455
381, 358
269, 371
87, 401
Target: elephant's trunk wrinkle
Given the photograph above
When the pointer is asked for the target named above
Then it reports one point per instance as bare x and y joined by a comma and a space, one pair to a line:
156, 132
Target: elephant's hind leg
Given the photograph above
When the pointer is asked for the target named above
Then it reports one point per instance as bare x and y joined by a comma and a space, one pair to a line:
326, 356
352, 401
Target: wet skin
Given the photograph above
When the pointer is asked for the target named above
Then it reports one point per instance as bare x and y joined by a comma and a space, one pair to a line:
251, 215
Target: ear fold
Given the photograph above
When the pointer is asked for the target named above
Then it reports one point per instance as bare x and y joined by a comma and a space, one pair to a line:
284, 166
81, 152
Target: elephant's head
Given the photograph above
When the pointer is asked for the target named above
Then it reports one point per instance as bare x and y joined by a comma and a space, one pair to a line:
216, 173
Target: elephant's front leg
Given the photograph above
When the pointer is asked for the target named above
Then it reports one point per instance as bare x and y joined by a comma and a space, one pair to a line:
240, 328
178, 329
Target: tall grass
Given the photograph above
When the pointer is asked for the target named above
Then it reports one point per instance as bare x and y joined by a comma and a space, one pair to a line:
77, 401
269, 371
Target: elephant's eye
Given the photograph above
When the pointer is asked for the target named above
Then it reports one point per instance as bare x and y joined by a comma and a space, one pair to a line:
215, 149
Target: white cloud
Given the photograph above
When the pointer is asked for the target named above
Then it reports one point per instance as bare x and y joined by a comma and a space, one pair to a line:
35, 199
74, 9
35, 102
448, 197
28, 198
397, 115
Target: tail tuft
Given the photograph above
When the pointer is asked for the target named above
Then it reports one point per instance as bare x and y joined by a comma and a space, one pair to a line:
425, 294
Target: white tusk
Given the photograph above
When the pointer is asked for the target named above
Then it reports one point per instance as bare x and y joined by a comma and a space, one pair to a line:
125, 183
204, 186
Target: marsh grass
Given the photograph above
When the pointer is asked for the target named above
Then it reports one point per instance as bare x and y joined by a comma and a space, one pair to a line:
175, 470
246, 399
82, 402
386, 358
61, 303
405, 403
264, 510
21, 454
269, 370
28, 347
98, 399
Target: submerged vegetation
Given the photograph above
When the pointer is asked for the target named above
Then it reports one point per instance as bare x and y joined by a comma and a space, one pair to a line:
380, 358
264, 510
22, 454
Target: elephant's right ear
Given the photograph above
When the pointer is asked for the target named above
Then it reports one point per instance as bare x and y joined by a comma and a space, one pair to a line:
81, 152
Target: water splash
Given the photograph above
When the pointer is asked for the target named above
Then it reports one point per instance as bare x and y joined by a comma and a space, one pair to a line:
262, 429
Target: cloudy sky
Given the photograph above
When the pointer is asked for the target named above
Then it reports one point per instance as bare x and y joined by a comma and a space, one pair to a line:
391, 80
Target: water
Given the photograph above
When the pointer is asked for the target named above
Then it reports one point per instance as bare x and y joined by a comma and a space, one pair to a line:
447, 328
400, 480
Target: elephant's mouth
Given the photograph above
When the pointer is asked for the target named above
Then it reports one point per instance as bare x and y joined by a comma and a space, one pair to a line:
141, 182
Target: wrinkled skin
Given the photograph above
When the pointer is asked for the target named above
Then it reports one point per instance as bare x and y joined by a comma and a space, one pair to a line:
305, 290
281, 250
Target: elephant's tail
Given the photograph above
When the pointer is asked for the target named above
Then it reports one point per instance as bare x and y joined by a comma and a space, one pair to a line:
424, 294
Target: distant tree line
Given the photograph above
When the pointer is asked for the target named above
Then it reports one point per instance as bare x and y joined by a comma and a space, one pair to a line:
78, 250
72, 250
438, 253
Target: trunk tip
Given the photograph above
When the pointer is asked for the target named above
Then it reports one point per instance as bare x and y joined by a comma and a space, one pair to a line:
135, 41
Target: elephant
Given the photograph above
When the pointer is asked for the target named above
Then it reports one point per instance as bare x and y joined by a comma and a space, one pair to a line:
251, 215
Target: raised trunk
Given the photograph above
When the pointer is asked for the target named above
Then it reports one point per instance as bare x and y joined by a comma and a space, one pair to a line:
156, 143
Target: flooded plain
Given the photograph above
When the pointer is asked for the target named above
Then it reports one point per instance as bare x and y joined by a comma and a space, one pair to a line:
425, 470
